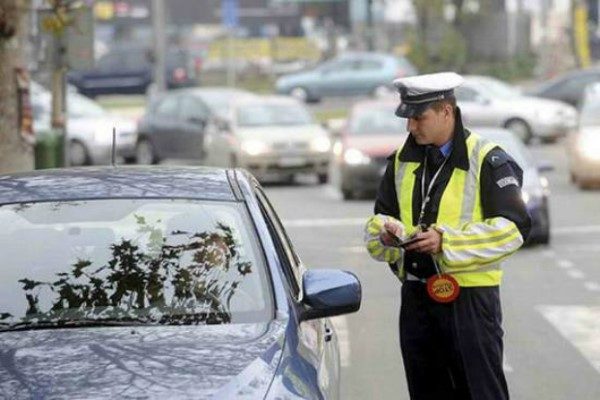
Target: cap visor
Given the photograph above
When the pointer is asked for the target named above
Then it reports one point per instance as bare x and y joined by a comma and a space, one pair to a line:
411, 110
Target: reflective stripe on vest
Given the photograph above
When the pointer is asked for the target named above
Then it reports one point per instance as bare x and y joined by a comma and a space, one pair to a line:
460, 203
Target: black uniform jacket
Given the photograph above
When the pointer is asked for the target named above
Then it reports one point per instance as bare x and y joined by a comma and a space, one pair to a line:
497, 200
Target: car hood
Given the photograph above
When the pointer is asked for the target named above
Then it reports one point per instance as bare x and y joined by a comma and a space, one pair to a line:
376, 145
275, 134
199, 362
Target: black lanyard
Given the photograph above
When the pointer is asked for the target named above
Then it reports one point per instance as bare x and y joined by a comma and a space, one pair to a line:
425, 198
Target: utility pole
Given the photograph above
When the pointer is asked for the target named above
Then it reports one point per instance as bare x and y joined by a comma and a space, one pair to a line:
159, 58
370, 28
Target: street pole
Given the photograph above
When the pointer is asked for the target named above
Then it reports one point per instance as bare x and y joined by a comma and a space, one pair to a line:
158, 24
370, 28
59, 92
231, 78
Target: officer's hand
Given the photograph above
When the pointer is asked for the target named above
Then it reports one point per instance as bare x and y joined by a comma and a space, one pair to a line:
395, 228
430, 242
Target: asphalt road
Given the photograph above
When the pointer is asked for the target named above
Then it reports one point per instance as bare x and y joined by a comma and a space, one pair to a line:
551, 294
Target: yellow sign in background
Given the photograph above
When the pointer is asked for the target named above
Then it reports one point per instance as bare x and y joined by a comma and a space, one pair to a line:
280, 49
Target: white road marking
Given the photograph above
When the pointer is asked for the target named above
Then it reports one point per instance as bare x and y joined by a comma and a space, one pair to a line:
592, 286
575, 273
565, 264
341, 328
331, 222
353, 249
580, 325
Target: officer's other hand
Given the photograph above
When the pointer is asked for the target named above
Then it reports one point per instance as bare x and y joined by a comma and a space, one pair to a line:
430, 242
390, 226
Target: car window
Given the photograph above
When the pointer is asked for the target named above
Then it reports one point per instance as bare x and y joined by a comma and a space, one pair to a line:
575, 84
466, 94
168, 107
369, 65
375, 121
150, 261
265, 114
110, 61
293, 267
344, 65
81, 106
193, 109
136, 59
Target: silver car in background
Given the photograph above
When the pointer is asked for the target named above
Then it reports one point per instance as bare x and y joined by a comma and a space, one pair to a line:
271, 136
487, 101
89, 128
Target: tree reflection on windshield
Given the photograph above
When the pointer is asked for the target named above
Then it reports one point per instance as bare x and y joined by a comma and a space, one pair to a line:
189, 279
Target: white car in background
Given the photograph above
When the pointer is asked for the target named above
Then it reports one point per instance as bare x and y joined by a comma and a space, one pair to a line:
89, 128
272, 137
486, 101
583, 144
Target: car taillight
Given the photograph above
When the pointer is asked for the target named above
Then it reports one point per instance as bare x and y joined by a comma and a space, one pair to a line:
179, 74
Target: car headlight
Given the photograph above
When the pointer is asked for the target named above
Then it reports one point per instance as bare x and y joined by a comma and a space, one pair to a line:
356, 157
254, 147
589, 146
320, 144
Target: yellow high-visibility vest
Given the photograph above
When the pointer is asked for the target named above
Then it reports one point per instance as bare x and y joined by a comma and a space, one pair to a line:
460, 204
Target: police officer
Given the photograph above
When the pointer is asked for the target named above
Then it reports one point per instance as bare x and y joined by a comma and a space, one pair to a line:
448, 211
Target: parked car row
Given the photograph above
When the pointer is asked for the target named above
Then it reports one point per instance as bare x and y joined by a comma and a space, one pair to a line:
271, 136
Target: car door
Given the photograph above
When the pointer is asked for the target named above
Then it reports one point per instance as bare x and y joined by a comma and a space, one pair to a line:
194, 120
370, 73
339, 77
165, 126
317, 340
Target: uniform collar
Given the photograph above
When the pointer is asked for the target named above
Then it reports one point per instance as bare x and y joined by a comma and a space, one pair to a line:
413, 152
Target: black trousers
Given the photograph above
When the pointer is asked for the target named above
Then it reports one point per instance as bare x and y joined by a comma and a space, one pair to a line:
452, 351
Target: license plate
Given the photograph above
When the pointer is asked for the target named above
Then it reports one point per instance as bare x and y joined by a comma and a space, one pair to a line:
292, 162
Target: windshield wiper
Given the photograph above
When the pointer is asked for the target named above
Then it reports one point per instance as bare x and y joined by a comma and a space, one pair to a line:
29, 325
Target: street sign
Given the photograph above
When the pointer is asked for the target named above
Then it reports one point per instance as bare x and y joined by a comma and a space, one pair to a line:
230, 13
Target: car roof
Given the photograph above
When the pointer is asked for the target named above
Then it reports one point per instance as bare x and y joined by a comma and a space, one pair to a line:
201, 183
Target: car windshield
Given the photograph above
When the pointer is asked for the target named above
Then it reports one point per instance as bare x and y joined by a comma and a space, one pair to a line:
218, 102
370, 121
81, 106
157, 262
497, 89
272, 114
590, 113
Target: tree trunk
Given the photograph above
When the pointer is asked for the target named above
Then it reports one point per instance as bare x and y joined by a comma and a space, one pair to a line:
15, 153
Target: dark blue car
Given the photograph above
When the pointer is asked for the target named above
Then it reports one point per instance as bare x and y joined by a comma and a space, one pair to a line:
129, 70
162, 282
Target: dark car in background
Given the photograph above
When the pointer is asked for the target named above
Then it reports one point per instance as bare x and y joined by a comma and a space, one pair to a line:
568, 87
170, 282
535, 188
176, 124
128, 69
372, 133
352, 73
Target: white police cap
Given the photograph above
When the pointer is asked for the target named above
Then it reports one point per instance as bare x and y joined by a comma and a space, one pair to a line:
418, 92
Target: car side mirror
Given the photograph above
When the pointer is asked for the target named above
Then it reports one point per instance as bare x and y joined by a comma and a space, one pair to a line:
545, 166
330, 292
